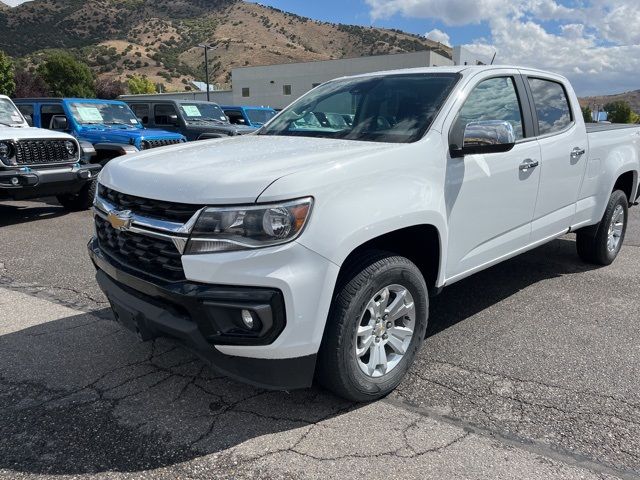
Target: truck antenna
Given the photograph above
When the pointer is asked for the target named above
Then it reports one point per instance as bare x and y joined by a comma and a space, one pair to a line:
494, 57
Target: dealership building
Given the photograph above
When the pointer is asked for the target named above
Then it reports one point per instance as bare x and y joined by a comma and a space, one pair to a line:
278, 85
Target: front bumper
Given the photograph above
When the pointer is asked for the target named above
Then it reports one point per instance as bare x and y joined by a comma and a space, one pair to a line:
24, 183
186, 311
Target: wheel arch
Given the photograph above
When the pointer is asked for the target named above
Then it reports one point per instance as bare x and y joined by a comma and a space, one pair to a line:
422, 244
628, 183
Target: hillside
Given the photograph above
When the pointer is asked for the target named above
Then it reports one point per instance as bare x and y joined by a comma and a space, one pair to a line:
159, 38
632, 97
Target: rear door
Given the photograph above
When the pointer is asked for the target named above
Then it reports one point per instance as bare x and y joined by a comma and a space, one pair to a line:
563, 144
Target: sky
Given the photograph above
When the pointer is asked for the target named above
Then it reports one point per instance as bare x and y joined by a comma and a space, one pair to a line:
596, 43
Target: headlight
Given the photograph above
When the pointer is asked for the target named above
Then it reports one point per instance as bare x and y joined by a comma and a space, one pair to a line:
5, 150
70, 146
225, 229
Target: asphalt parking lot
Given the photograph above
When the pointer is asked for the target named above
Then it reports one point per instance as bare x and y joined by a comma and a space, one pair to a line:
531, 370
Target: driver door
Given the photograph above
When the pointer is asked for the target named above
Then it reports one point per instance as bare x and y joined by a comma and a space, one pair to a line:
490, 198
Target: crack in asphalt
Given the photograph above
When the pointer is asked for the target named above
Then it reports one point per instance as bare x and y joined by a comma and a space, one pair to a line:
598, 428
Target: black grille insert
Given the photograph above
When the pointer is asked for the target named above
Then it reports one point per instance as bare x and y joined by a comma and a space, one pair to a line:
152, 256
147, 144
42, 152
174, 212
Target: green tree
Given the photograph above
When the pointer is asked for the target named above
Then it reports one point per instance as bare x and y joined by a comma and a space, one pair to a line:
140, 84
66, 76
7, 83
587, 114
619, 112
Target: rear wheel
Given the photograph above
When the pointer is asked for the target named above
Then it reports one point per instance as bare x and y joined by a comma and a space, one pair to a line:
375, 328
79, 201
601, 243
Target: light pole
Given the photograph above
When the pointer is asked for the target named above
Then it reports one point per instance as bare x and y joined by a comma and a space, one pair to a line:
206, 64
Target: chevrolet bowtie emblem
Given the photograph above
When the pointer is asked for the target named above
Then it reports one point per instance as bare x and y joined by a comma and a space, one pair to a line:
120, 220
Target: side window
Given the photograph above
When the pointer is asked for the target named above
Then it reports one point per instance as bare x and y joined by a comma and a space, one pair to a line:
50, 115
165, 115
27, 112
491, 99
551, 104
235, 117
141, 110
246, 92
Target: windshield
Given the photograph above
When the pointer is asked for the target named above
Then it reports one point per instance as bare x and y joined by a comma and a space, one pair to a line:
393, 108
9, 114
194, 112
103, 114
259, 117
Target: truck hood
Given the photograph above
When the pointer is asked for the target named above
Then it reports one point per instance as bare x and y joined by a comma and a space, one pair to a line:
19, 133
126, 135
225, 171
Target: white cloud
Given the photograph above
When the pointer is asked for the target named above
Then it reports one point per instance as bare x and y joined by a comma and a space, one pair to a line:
438, 36
596, 45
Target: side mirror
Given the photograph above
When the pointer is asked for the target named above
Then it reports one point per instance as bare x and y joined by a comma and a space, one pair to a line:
173, 119
59, 122
29, 120
486, 136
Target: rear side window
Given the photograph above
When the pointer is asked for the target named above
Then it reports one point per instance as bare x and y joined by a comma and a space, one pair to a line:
163, 114
492, 99
552, 105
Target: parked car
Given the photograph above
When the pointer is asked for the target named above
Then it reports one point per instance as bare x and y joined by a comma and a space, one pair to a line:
196, 120
311, 249
37, 163
109, 125
252, 116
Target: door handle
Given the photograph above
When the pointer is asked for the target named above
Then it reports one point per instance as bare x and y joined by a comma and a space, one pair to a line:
527, 164
577, 153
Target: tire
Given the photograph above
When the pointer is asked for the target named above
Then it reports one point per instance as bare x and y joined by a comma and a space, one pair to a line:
83, 200
340, 369
594, 243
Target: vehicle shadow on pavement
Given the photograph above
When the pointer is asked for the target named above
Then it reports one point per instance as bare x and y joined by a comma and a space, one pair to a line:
82, 395
484, 289
17, 214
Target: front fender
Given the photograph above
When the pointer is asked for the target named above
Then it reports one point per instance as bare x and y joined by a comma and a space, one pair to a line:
360, 199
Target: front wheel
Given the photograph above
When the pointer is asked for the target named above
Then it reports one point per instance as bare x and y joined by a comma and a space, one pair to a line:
79, 201
376, 325
601, 243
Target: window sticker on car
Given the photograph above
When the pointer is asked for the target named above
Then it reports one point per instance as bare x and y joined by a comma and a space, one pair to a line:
89, 114
16, 118
134, 121
191, 110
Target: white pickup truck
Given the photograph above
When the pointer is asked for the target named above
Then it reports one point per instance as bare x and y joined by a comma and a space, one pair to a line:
310, 248
37, 163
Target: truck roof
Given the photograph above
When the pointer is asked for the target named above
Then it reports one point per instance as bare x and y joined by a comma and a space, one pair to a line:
454, 69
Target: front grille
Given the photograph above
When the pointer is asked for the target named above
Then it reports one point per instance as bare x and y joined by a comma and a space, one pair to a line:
171, 211
150, 255
147, 144
42, 152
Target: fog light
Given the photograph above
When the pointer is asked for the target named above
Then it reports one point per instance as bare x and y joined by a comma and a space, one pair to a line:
15, 181
247, 319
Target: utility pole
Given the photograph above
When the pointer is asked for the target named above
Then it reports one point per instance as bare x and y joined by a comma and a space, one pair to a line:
206, 65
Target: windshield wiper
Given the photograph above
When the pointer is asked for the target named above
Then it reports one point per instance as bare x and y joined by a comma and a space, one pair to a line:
117, 123
10, 124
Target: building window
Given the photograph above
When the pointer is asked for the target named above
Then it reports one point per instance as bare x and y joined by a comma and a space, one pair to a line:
246, 92
286, 89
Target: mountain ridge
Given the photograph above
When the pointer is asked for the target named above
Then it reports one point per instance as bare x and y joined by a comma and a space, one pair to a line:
159, 38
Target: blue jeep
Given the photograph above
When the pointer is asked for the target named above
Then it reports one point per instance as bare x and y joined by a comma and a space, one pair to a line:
109, 125
250, 116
